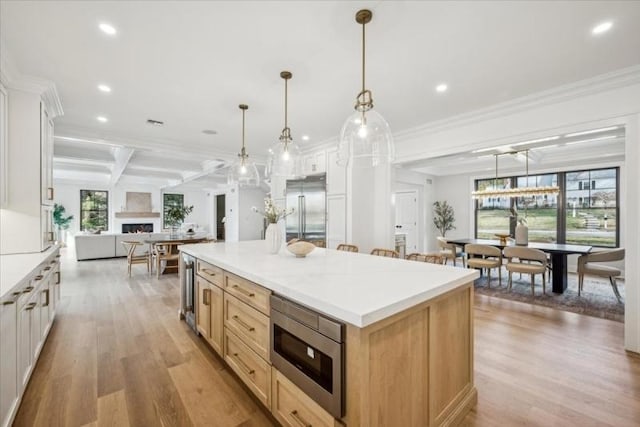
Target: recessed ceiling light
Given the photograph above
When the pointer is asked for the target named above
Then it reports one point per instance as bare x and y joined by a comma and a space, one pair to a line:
305, 137
441, 88
587, 132
107, 29
601, 28
210, 132
104, 88
102, 119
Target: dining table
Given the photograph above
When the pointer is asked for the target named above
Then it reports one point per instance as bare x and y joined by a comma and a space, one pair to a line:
558, 252
173, 242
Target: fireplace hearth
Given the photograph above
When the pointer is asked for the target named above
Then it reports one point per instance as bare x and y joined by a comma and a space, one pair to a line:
137, 228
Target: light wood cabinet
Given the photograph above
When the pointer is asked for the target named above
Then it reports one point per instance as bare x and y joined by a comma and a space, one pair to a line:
248, 292
293, 408
210, 272
209, 318
248, 324
254, 371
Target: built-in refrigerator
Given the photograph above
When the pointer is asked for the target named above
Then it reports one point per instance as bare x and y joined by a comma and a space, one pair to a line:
308, 197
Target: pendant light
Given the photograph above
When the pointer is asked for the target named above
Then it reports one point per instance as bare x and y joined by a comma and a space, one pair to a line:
365, 139
285, 159
243, 171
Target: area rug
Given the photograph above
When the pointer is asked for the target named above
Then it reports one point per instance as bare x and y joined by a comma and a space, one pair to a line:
597, 298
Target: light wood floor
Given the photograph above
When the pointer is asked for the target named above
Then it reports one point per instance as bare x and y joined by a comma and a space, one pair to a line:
118, 355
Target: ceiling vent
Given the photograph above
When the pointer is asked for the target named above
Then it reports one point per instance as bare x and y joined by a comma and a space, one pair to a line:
155, 122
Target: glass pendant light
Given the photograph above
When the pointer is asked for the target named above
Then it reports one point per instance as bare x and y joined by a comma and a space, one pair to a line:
243, 171
365, 139
285, 159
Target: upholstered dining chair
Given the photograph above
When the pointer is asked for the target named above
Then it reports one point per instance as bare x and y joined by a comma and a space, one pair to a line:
347, 248
165, 252
450, 251
590, 264
485, 256
526, 260
430, 258
389, 253
135, 258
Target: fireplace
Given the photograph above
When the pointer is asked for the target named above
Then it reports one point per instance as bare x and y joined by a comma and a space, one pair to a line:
137, 228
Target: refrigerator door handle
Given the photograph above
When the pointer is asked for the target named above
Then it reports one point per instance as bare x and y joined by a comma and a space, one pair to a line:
300, 202
304, 217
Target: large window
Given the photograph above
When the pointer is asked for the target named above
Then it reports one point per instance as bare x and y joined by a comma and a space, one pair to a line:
94, 210
170, 201
592, 207
588, 215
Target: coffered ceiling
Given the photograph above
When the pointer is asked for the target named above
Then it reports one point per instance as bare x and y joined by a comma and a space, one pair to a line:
189, 64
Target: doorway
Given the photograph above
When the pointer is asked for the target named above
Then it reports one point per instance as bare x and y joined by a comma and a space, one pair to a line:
220, 216
407, 218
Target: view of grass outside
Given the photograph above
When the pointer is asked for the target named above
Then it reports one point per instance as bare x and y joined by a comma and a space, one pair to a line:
94, 210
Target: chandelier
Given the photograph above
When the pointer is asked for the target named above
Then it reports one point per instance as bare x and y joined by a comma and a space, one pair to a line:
243, 171
518, 191
365, 139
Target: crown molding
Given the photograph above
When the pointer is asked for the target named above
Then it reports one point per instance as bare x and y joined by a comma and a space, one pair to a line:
612, 80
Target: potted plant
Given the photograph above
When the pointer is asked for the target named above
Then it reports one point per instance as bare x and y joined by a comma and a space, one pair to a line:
176, 216
443, 217
61, 221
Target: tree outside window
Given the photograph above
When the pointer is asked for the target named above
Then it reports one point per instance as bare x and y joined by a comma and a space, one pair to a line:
170, 201
94, 210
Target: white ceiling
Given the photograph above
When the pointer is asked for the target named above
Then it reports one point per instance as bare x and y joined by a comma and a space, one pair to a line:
190, 64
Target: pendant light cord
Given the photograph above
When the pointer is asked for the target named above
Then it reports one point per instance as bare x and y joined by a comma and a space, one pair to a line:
363, 56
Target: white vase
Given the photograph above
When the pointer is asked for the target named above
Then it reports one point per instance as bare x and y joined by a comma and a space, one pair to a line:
273, 238
522, 235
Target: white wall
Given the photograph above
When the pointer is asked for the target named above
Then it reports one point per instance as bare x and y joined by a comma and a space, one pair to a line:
456, 190
250, 223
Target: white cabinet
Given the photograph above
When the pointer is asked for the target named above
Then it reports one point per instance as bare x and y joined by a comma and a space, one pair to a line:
4, 134
315, 163
336, 175
8, 358
26, 222
278, 188
336, 220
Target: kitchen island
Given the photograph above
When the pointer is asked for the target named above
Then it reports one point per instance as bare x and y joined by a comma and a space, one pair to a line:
408, 351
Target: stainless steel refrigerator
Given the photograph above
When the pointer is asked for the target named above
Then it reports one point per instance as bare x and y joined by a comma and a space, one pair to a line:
308, 197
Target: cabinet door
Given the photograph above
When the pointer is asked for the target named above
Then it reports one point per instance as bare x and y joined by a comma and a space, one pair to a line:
336, 175
8, 358
203, 309
36, 334
45, 307
46, 227
217, 317
336, 221
4, 146
25, 355
46, 153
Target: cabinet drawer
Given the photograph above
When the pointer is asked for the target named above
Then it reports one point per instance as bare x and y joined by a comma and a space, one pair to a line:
254, 295
292, 407
210, 272
251, 368
248, 324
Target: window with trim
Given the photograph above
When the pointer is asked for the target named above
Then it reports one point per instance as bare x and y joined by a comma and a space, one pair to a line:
170, 201
588, 216
94, 210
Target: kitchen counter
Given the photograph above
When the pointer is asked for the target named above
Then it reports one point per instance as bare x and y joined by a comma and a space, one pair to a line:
14, 268
355, 288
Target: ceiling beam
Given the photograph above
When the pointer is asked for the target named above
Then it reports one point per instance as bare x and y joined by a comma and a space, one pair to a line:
121, 160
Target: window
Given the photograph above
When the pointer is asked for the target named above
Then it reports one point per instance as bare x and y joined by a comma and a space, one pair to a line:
170, 201
592, 207
588, 216
94, 210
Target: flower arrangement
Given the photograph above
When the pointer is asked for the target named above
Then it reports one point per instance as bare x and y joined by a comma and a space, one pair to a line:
272, 212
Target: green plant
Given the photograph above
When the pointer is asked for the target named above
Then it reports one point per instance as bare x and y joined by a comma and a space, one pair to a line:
60, 219
272, 212
443, 217
176, 215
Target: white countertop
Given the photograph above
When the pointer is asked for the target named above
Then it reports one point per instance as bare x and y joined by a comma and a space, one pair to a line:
355, 288
14, 268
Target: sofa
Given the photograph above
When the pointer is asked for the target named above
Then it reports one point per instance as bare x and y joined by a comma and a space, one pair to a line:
96, 246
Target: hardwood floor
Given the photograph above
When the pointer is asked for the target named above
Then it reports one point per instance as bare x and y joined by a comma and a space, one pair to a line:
118, 355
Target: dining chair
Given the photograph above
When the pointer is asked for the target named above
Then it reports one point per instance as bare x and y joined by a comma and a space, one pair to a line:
165, 252
389, 253
133, 257
484, 256
529, 261
347, 248
430, 258
590, 264
450, 251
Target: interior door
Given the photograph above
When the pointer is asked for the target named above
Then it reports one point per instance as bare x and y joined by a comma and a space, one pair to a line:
407, 218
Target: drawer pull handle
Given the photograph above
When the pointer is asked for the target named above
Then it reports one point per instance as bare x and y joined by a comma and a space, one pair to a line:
49, 193
58, 256
46, 304
47, 268
244, 291
243, 324
50, 237
39, 277
209, 272
294, 414
7, 302
31, 306
57, 278
27, 289
244, 366
206, 296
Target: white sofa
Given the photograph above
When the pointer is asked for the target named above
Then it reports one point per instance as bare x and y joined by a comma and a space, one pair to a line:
95, 246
